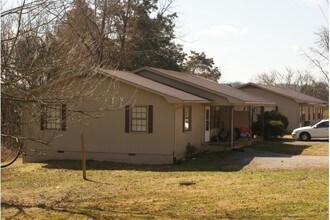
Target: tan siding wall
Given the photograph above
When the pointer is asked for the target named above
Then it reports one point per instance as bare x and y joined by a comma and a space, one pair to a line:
241, 119
105, 137
196, 136
285, 105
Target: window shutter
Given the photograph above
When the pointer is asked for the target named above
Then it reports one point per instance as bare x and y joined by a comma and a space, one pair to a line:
63, 117
150, 118
42, 117
276, 108
127, 119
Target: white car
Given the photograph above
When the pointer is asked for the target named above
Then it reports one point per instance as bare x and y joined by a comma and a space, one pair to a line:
319, 130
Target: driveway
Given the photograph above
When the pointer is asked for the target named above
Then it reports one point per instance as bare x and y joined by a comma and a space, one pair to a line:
256, 159
314, 141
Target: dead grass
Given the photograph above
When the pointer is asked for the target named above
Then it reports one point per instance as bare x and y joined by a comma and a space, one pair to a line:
55, 190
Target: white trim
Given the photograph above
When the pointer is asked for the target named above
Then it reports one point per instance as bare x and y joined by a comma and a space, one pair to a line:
207, 122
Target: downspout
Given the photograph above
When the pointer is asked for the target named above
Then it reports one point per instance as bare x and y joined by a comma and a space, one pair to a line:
174, 145
250, 117
263, 122
300, 116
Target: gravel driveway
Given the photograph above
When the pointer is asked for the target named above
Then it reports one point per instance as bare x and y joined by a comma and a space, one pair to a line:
257, 159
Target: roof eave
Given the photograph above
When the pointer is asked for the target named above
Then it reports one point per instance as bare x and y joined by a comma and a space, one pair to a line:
172, 101
260, 103
313, 103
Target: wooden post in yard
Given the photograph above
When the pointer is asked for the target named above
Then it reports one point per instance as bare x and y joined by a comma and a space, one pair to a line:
232, 127
83, 155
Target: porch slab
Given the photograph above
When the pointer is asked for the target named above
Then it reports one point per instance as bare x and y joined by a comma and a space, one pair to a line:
225, 146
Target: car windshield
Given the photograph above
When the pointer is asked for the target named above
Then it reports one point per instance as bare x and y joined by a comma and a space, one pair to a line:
324, 124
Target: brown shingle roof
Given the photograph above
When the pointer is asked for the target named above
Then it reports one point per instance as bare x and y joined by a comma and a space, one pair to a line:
208, 85
295, 95
152, 86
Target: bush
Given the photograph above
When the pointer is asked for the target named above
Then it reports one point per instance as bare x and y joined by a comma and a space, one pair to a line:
191, 151
277, 116
274, 128
275, 124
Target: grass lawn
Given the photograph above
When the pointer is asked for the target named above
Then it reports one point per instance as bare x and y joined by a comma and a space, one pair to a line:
291, 147
209, 187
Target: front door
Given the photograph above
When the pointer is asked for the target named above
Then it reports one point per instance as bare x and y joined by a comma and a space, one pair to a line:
207, 124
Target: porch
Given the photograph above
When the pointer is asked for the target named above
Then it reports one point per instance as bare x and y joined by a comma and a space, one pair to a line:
225, 146
229, 127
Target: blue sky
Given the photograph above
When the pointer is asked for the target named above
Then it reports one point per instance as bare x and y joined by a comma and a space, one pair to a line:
247, 37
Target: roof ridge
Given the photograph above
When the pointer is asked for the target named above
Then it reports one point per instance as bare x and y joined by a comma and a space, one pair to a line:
185, 72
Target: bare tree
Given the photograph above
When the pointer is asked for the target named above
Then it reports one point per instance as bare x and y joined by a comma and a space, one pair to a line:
318, 56
38, 68
20, 50
50, 50
304, 80
299, 80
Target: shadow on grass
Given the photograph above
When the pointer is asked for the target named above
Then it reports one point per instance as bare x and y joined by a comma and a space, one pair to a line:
54, 212
20, 210
312, 141
226, 161
287, 146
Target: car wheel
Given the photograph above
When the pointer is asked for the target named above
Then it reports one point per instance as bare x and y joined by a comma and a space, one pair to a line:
305, 136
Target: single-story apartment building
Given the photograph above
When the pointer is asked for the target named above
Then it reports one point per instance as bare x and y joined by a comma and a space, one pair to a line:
227, 102
299, 108
149, 116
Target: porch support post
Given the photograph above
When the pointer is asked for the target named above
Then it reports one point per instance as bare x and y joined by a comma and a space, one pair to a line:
300, 116
250, 117
232, 127
207, 123
262, 111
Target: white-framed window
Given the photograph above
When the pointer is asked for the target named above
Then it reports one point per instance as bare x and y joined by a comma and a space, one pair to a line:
215, 117
319, 113
310, 112
187, 118
302, 114
139, 119
53, 117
